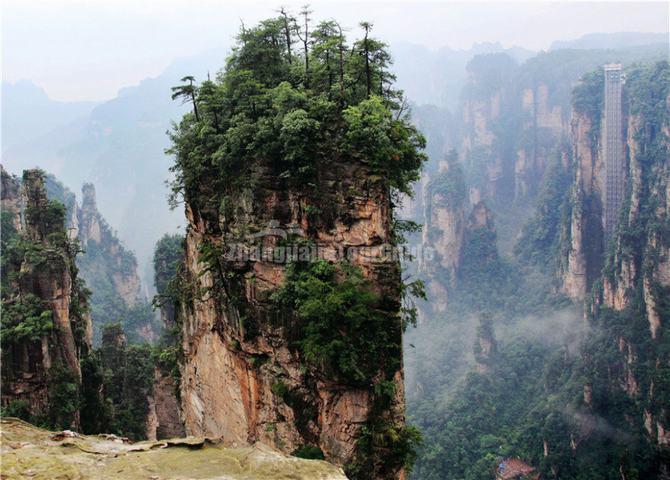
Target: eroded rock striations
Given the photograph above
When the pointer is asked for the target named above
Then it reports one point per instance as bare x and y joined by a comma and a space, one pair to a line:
443, 231
450, 222
45, 321
635, 287
623, 282
109, 269
236, 352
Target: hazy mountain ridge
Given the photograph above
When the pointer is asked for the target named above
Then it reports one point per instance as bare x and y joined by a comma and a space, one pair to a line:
28, 113
119, 146
611, 40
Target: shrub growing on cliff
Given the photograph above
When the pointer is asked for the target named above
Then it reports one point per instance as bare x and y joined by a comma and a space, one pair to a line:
450, 184
27, 318
127, 375
338, 328
64, 398
588, 100
540, 241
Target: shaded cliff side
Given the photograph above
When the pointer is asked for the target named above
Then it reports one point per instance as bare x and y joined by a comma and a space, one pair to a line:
577, 389
46, 326
458, 240
629, 302
443, 231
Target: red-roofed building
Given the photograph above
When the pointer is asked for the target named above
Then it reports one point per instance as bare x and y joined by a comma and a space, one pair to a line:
516, 469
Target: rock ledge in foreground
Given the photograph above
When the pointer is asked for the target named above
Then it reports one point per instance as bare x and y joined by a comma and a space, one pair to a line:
31, 452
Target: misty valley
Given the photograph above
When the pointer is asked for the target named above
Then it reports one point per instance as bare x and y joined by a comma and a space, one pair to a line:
318, 255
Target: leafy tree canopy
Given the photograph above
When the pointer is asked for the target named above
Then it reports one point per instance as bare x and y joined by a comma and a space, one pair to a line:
295, 109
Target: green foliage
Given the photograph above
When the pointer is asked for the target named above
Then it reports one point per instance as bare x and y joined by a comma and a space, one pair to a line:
279, 389
64, 397
95, 411
588, 100
559, 69
18, 409
540, 238
534, 391
337, 324
391, 146
486, 281
36, 264
450, 183
310, 452
28, 318
402, 443
104, 265
480, 423
294, 111
101, 268
543, 399
291, 113
127, 379
49, 218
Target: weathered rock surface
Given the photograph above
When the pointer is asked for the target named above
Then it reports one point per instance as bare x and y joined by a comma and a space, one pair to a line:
585, 236
31, 452
166, 408
234, 351
42, 270
107, 267
443, 233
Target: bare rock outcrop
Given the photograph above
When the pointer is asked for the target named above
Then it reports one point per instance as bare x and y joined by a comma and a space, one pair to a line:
31, 452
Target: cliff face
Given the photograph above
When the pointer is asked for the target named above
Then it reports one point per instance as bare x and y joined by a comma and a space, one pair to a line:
46, 326
512, 122
290, 299
480, 118
164, 417
450, 223
585, 235
636, 280
443, 232
93, 229
110, 271
544, 126
243, 378
623, 283
509, 139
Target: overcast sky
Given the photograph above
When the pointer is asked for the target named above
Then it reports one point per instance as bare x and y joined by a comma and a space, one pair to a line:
89, 49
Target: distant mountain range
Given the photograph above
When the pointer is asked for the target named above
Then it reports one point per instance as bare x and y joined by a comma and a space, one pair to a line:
611, 40
436, 77
28, 113
118, 145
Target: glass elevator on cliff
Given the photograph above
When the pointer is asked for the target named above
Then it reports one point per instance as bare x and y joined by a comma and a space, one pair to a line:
613, 153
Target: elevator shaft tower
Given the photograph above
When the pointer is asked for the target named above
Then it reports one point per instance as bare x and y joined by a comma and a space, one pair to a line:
613, 148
